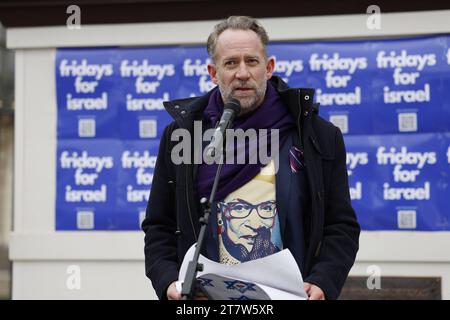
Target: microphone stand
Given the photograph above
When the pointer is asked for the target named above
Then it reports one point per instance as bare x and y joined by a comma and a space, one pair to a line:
190, 279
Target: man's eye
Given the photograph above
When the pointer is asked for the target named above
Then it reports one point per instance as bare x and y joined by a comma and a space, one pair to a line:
230, 63
252, 61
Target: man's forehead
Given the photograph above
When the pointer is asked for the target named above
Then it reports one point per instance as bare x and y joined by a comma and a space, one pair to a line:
238, 42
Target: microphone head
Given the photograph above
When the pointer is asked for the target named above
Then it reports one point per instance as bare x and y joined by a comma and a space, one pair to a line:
233, 105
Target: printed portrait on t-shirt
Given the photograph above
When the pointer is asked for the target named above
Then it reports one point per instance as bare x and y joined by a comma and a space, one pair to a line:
248, 221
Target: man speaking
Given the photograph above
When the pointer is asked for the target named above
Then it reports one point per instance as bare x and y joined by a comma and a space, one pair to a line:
298, 200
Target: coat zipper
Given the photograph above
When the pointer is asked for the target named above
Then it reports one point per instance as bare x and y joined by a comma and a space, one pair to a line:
319, 245
299, 120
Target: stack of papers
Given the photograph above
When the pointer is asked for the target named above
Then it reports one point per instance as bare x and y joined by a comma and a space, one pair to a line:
277, 275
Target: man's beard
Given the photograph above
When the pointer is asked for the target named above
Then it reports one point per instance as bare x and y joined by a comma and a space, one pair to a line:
248, 103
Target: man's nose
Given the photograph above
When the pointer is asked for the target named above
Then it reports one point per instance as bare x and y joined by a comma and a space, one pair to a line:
242, 73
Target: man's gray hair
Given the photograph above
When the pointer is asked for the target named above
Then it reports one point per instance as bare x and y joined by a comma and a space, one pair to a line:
236, 23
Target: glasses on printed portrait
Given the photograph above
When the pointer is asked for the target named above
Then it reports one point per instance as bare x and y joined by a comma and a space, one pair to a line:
240, 209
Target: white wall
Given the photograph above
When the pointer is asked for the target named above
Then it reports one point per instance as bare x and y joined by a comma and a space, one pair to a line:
111, 263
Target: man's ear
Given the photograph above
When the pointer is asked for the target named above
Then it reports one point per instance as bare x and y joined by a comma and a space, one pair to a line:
212, 70
270, 67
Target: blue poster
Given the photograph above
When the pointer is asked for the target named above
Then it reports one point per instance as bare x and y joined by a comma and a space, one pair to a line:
136, 164
389, 98
87, 93
148, 77
401, 180
374, 87
86, 192
194, 76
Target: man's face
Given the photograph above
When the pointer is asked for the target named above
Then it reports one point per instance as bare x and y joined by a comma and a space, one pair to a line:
241, 69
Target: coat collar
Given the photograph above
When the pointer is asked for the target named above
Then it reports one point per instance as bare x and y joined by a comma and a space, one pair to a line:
299, 101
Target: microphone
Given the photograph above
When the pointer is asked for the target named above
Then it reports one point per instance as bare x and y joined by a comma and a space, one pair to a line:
230, 110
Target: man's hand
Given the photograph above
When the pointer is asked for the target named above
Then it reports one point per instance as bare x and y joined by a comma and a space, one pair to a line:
314, 292
172, 292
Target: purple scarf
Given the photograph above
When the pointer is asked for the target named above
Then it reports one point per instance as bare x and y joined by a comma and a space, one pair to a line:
271, 114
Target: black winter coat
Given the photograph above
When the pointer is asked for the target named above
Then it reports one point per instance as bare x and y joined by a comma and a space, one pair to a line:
331, 230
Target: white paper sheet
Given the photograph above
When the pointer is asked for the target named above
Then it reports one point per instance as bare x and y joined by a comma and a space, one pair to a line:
277, 274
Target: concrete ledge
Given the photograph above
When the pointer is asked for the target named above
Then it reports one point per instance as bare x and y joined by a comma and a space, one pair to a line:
383, 246
280, 29
91, 246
